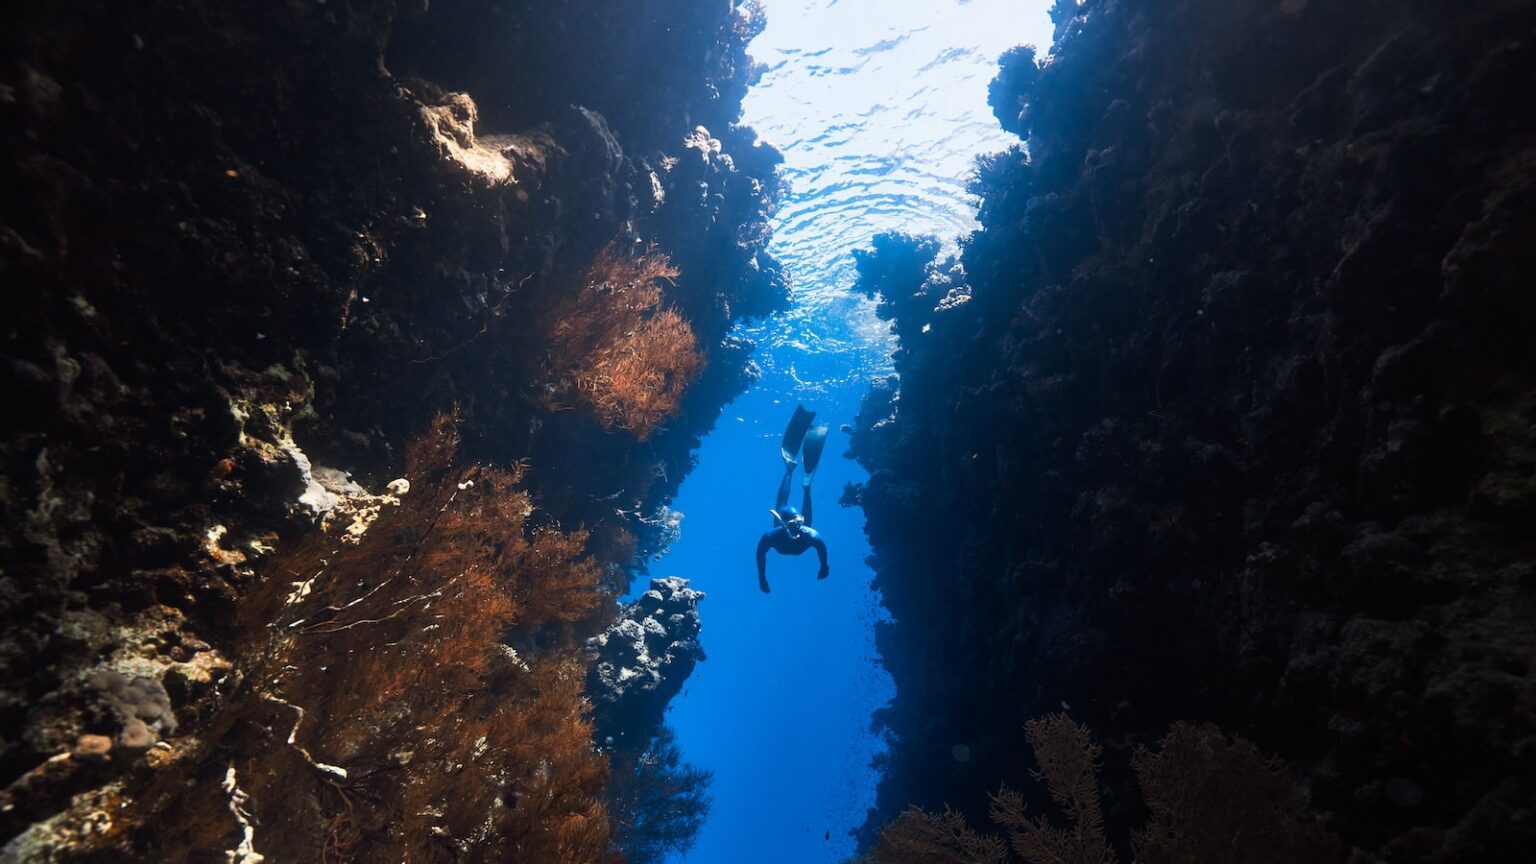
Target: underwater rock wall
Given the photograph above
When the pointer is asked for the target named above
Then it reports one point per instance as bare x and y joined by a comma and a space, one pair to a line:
251, 254
641, 660
1227, 414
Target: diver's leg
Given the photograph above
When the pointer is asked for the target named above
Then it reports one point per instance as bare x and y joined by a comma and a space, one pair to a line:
783, 497
805, 503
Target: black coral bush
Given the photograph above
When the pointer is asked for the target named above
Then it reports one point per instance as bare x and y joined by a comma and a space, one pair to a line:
386, 716
1213, 800
1069, 765
920, 837
657, 801
618, 349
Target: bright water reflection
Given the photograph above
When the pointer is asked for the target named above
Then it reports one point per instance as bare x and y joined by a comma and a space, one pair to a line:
880, 108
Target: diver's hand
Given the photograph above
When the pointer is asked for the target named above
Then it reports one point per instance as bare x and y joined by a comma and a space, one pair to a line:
763, 584
822, 573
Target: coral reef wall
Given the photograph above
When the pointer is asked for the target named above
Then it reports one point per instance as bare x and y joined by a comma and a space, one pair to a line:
1228, 414
250, 254
641, 660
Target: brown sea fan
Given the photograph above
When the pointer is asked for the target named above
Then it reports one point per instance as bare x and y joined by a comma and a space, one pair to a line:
1213, 800
617, 347
385, 715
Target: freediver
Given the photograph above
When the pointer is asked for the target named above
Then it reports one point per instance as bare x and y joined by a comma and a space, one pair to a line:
792, 533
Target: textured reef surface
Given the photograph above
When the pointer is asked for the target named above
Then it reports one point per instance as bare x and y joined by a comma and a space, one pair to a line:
1228, 414
258, 598
642, 659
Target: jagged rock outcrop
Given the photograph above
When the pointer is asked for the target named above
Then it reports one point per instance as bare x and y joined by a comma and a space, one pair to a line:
253, 252
640, 661
1226, 414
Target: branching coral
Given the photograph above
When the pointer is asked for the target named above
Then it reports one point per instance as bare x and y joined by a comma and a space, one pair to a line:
920, 837
1069, 765
659, 802
392, 693
616, 347
1213, 801
1209, 794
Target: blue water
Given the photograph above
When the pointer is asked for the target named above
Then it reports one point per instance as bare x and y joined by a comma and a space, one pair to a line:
880, 108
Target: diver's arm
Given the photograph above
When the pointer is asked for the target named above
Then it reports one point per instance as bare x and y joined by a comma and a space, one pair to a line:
762, 563
820, 546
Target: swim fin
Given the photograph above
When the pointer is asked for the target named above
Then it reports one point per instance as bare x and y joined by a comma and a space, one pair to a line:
815, 440
794, 433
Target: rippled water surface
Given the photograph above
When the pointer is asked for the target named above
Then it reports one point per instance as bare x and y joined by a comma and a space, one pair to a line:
880, 108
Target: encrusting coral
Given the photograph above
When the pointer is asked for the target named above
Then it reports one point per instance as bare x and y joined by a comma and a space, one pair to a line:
640, 661
140, 703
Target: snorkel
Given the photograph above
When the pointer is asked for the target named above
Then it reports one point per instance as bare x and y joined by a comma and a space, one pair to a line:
791, 519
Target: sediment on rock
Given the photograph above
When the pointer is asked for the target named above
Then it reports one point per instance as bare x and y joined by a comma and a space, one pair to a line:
1227, 416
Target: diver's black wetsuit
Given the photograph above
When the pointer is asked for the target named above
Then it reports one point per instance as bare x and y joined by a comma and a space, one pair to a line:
783, 541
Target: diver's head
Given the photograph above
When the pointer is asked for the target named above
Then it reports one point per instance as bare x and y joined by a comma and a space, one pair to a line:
793, 521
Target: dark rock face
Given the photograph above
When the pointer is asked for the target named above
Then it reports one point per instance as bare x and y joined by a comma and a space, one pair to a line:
1228, 416
251, 252
640, 661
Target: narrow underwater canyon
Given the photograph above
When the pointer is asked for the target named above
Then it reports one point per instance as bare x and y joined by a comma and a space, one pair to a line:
355, 354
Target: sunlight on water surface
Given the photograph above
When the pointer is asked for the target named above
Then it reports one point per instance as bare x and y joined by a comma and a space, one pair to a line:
880, 110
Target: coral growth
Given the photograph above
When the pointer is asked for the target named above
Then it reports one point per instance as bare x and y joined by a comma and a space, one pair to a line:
658, 802
140, 704
640, 661
1069, 765
258, 253
1213, 801
920, 837
1209, 794
1235, 422
385, 684
616, 347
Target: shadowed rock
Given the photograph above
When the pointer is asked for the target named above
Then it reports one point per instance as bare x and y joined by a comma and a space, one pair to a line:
641, 661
